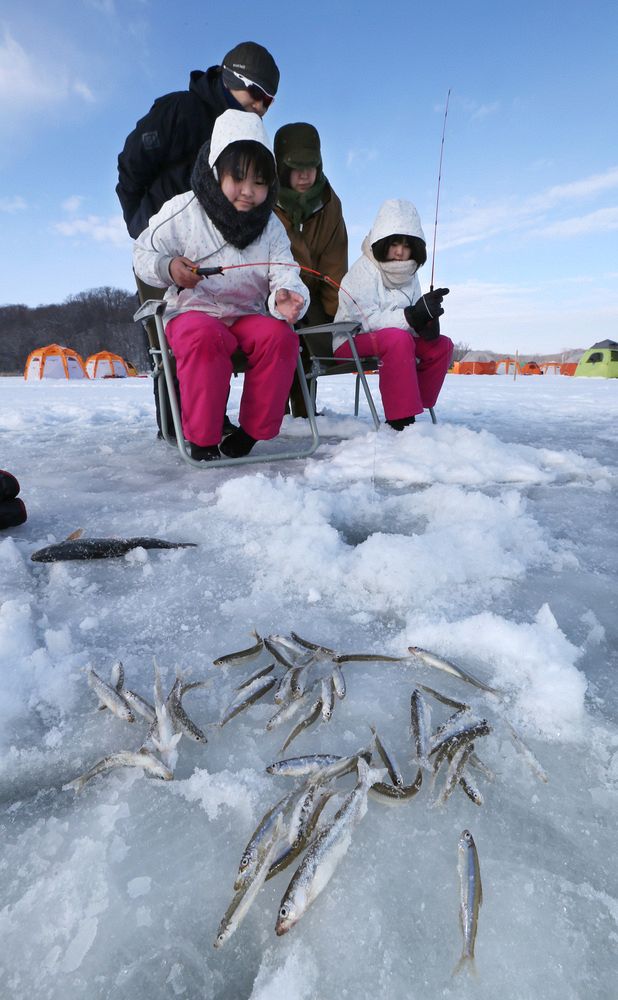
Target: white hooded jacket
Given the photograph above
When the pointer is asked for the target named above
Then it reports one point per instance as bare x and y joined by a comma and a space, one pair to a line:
182, 228
381, 292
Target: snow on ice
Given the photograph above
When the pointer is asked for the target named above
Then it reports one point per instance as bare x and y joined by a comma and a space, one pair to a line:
489, 538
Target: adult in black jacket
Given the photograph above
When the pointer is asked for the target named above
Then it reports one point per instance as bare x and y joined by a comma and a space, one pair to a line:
158, 155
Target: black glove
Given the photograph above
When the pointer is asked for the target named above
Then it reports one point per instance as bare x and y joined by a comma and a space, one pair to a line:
12, 513
431, 331
9, 487
427, 308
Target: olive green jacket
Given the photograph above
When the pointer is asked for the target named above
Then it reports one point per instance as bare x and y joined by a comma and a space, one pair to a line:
320, 243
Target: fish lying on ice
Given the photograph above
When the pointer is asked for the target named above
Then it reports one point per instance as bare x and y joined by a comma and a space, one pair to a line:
110, 697
471, 896
241, 654
76, 547
433, 660
124, 758
326, 851
245, 895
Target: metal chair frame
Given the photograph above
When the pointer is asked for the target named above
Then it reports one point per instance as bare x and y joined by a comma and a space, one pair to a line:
323, 362
156, 308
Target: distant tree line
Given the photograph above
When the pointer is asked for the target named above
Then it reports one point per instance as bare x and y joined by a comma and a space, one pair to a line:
100, 319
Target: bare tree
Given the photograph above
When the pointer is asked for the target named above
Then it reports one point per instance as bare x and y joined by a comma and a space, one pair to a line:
99, 319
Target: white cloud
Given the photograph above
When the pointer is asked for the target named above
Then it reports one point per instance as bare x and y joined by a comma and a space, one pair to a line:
500, 316
478, 111
358, 157
72, 204
588, 187
14, 204
29, 84
82, 90
603, 221
93, 227
530, 215
103, 6
484, 110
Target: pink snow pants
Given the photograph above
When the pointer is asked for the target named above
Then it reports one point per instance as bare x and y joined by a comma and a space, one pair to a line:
411, 370
203, 348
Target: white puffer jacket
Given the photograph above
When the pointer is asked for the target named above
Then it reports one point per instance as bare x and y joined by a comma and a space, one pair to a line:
182, 229
380, 291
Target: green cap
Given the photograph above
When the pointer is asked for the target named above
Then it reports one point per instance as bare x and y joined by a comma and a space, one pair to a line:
297, 145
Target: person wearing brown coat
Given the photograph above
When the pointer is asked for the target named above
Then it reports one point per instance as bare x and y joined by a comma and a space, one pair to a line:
312, 215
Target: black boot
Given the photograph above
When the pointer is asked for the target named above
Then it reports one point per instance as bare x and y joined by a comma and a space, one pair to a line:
237, 444
228, 426
401, 424
204, 453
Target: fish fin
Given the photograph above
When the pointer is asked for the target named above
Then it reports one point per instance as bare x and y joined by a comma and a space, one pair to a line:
75, 535
74, 786
466, 961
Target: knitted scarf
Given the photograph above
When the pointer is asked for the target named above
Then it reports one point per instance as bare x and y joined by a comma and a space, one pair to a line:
395, 273
300, 207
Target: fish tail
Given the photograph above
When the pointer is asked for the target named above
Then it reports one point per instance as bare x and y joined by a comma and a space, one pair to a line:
74, 786
465, 962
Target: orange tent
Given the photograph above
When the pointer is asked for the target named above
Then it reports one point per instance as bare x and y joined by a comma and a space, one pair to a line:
530, 368
54, 361
475, 363
108, 365
568, 367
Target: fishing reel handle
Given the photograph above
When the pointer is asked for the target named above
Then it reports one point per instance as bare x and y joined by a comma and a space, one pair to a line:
206, 272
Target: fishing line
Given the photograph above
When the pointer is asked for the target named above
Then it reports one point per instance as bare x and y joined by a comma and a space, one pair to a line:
207, 272
435, 224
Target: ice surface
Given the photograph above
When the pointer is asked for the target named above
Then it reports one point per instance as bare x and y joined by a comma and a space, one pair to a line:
489, 538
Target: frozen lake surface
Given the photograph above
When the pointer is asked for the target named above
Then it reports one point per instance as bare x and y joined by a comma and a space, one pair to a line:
489, 538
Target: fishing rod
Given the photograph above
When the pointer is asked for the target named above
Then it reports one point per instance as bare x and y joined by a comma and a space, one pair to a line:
435, 225
208, 272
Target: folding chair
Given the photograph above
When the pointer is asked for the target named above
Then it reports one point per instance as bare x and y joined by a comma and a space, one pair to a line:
318, 341
169, 407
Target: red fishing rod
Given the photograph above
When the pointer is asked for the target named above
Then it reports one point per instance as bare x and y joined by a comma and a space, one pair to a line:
435, 225
207, 272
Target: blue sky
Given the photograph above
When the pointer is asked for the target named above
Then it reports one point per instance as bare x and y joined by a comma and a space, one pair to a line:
527, 234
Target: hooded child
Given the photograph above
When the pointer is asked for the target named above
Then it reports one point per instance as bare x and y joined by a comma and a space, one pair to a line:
227, 220
399, 324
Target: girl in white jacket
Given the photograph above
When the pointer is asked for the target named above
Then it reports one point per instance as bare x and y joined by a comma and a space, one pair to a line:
400, 325
227, 219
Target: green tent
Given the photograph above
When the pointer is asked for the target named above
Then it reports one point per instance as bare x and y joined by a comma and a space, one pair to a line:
600, 360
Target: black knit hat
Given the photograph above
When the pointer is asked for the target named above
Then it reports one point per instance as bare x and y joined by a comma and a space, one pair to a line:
255, 63
297, 145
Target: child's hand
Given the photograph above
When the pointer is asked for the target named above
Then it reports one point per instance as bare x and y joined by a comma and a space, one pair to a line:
182, 273
289, 304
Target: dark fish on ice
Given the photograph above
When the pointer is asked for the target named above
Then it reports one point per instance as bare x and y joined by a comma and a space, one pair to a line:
75, 547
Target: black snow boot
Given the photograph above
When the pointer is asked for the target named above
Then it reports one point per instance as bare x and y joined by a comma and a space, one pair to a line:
204, 453
401, 424
237, 445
